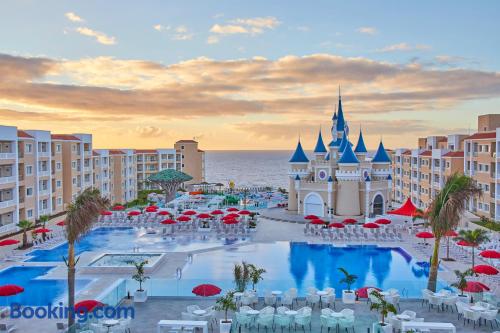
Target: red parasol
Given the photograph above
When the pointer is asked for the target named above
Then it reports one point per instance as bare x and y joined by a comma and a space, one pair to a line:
230, 221
118, 207
244, 212
217, 212
61, 223
383, 221
168, 221
407, 209
318, 222
231, 216
370, 225
311, 217
203, 216
189, 212
232, 209
475, 287
425, 235
451, 233
465, 243
492, 254
134, 213
42, 231
151, 210
206, 290
10, 290
106, 213
363, 292
87, 305
183, 218
485, 269
336, 225
349, 221
7, 242
164, 212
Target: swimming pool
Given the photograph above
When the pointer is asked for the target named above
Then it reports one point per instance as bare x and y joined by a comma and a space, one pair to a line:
36, 291
125, 239
302, 265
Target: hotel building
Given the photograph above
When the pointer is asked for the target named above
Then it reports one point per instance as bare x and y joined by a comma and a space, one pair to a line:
41, 173
421, 173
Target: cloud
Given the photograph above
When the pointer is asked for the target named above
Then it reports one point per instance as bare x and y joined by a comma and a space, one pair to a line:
252, 26
367, 30
404, 47
286, 88
159, 27
73, 17
212, 40
149, 131
100, 37
182, 33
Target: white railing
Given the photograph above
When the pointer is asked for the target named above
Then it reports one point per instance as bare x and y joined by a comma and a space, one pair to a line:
45, 173
7, 155
8, 227
44, 192
5, 180
43, 154
7, 203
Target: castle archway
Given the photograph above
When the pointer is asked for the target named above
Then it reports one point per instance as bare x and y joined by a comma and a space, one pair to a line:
314, 205
378, 205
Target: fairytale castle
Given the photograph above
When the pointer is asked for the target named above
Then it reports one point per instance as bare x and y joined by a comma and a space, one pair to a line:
339, 181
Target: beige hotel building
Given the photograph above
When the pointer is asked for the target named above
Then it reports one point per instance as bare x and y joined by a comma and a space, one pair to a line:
421, 172
41, 172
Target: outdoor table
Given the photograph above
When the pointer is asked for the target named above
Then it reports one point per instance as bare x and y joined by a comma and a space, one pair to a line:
403, 317
183, 324
291, 312
110, 323
478, 308
419, 325
199, 312
337, 314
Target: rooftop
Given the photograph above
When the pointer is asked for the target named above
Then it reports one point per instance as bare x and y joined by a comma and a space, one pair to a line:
68, 137
484, 135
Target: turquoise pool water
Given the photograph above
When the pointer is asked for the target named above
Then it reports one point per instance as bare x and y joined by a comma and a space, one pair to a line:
302, 265
36, 291
125, 239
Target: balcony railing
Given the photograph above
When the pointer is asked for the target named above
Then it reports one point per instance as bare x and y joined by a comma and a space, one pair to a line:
7, 203
7, 155
9, 179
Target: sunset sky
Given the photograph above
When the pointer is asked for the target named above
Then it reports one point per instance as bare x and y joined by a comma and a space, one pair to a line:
247, 74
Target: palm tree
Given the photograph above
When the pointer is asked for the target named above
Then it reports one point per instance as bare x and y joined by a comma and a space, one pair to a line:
348, 279
25, 225
256, 274
445, 212
44, 219
81, 214
474, 237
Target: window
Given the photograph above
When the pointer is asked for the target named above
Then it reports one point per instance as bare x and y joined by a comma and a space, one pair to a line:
29, 191
59, 201
29, 170
74, 181
58, 166
58, 148
58, 184
28, 148
73, 147
29, 213
73, 165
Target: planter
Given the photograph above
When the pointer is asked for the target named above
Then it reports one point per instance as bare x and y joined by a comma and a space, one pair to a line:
225, 327
348, 297
378, 328
140, 296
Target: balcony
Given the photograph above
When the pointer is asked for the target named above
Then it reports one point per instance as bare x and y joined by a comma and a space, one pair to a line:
7, 156
44, 173
7, 203
9, 179
43, 154
45, 191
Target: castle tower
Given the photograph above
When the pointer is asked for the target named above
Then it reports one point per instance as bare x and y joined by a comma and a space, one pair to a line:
341, 125
381, 164
360, 149
348, 176
320, 149
298, 168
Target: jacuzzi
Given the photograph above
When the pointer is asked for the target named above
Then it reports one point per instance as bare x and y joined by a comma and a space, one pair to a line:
123, 262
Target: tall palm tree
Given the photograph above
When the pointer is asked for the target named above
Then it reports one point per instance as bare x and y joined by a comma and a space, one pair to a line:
445, 212
25, 225
474, 237
81, 214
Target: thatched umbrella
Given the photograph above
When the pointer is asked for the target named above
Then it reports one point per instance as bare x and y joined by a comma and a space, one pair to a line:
169, 181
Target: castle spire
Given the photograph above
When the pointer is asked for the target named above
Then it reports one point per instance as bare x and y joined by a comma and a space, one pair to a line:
340, 115
381, 155
320, 146
348, 156
360, 147
299, 156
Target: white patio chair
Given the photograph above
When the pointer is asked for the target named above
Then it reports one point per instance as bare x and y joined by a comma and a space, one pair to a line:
491, 316
312, 300
472, 316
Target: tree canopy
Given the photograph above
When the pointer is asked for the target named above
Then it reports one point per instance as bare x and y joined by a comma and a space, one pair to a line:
170, 175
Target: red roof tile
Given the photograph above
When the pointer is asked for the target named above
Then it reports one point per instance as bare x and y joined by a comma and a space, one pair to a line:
426, 153
94, 153
482, 135
408, 152
116, 152
23, 134
454, 154
64, 137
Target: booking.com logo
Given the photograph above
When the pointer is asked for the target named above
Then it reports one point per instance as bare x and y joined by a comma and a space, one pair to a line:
17, 311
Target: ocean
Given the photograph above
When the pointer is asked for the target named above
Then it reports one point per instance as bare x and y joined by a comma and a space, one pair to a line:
248, 167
